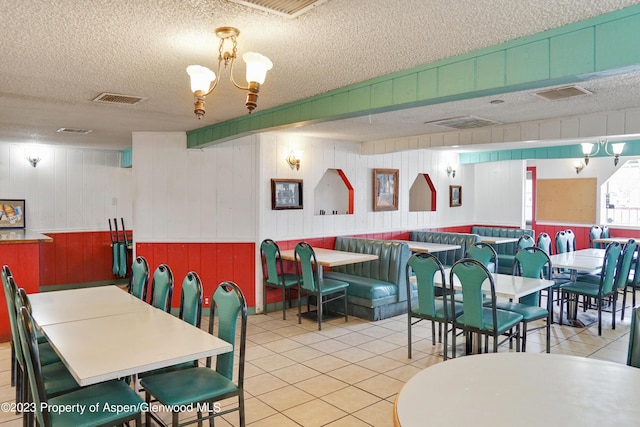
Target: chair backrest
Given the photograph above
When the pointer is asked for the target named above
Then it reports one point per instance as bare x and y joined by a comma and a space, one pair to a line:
544, 243
227, 303
9, 295
633, 354
271, 262
31, 355
562, 242
532, 262
191, 299
624, 263
484, 253
525, 241
472, 274
139, 278
425, 267
305, 260
607, 274
595, 232
571, 240
162, 288
605, 232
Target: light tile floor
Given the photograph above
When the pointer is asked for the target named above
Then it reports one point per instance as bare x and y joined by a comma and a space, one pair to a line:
348, 374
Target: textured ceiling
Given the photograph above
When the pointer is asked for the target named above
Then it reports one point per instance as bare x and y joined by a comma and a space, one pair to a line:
57, 55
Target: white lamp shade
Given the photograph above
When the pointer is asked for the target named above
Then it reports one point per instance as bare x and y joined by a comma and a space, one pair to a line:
201, 78
617, 148
257, 66
586, 148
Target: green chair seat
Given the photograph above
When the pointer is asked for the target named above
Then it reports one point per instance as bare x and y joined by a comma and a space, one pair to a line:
528, 312
57, 379
47, 354
439, 309
505, 319
582, 288
331, 285
188, 386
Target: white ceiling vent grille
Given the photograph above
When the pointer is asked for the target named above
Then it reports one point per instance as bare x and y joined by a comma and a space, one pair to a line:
73, 130
114, 98
562, 93
466, 122
286, 8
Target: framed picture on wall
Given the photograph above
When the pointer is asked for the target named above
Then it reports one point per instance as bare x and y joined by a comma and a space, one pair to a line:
385, 189
12, 214
286, 194
455, 195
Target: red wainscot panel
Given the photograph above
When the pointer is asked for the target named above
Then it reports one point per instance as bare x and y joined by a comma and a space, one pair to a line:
23, 259
214, 263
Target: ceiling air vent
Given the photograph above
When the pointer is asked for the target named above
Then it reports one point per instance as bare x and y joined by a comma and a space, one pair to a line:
286, 8
72, 130
562, 93
114, 98
466, 122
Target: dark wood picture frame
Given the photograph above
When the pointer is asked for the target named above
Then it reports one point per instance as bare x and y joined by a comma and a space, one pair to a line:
455, 195
12, 213
385, 189
286, 194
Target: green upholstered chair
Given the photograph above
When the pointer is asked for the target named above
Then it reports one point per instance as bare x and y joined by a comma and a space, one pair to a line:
6, 273
139, 279
203, 384
324, 289
162, 288
599, 291
595, 232
544, 243
633, 354
429, 306
633, 284
478, 317
485, 254
530, 262
561, 242
571, 240
56, 377
117, 393
273, 275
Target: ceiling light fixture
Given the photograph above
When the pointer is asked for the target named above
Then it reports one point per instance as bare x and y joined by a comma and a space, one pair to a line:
616, 150
203, 80
578, 165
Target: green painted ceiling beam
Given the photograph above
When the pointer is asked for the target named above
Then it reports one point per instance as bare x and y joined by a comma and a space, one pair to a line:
605, 45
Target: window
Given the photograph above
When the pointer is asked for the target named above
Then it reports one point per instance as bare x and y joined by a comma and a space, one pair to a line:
622, 196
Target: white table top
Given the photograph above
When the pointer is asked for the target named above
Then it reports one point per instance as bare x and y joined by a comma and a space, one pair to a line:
621, 240
331, 257
506, 285
495, 240
138, 339
79, 304
428, 247
574, 261
591, 252
523, 389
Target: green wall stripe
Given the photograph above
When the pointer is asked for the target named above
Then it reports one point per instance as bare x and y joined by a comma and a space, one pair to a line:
126, 160
631, 148
564, 55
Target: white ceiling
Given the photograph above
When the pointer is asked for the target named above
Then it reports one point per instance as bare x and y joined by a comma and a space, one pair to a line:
57, 55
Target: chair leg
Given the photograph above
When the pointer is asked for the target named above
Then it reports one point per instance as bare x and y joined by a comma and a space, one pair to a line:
453, 339
444, 347
624, 300
599, 316
433, 333
241, 409
562, 294
319, 305
299, 308
613, 310
346, 315
264, 298
524, 337
409, 334
284, 303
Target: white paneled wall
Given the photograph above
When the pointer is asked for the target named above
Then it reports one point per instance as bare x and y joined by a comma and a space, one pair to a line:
186, 195
70, 189
499, 193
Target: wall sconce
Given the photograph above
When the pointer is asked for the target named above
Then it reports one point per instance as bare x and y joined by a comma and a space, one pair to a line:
202, 77
616, 150
579, 166
294, 159
451, 172
33, 160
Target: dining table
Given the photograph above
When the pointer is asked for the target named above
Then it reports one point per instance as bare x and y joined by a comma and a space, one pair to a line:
103, 333
496, 240
331, 258
429, 247
520, 389
607, 240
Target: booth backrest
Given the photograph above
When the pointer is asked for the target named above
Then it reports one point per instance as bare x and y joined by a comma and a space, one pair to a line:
446, 257
389, 267
504, 248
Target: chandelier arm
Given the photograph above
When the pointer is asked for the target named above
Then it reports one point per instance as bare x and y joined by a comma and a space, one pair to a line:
234, 80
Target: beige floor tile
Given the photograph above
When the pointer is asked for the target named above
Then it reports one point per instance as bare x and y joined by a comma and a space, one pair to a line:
352, 374
295, 373
348, 421
378, 346
330, 346
353, 354
257, 352
378, 414
291, 331
381, 385
255, 410
264, 337
610, 355
285, 398
380, 364
354, 338
309, 338
326, 363
277, 420
263, 383
302, 354
404, 373
350, 399
314, 414
282, 345
273, 362
377, 332
321, 385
